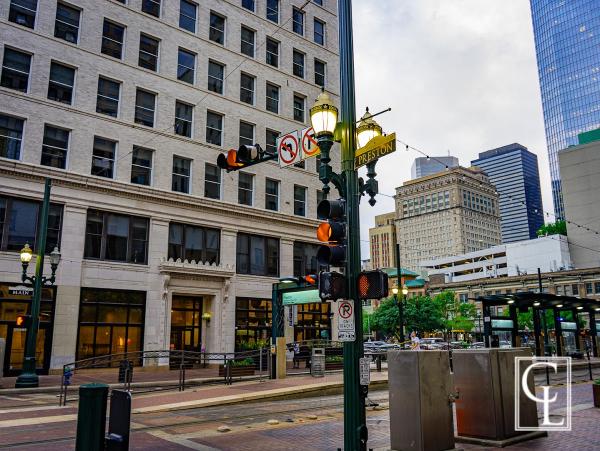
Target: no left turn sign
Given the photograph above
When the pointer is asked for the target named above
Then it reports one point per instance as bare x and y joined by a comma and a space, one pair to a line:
288, 149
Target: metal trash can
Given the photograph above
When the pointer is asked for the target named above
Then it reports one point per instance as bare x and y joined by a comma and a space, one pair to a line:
317, 367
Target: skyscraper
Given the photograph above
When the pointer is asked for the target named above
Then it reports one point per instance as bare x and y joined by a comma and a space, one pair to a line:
514, 172
567, 38
423, 166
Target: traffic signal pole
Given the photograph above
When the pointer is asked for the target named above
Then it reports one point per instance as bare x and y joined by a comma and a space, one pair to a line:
355, 428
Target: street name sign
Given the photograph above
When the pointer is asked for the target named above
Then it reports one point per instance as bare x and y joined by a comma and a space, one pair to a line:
300, 297
375, 149
346, 321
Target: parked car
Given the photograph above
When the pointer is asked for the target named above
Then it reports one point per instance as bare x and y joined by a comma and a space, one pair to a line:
379, 346
477, 345
432, 343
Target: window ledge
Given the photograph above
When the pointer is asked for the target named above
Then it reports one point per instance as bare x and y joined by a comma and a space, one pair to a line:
198, 268
109, 264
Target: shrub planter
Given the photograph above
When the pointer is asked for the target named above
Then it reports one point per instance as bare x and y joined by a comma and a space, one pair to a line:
334, 366
237, 371
596, 392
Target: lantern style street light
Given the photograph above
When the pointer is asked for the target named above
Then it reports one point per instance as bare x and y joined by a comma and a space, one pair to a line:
323, 115
367, 129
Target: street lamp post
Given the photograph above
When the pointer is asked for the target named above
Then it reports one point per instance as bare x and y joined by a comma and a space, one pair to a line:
28, 377
400, 305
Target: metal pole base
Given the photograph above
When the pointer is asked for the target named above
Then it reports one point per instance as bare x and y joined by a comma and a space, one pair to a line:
27, 380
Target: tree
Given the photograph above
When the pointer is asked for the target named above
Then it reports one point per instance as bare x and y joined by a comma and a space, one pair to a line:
385, 318
455, 315
553, 228
421, 314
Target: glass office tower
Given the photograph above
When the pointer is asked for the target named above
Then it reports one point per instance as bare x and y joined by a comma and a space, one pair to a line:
567, 44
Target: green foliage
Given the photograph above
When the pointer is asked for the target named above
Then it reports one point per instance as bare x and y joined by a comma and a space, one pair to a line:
334, 359
385, 318
367, 322
597, 382
553, 228
253, 345
422, 314
455, 315
244, 362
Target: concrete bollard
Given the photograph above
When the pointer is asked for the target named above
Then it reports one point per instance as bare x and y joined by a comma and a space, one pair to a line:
91, 417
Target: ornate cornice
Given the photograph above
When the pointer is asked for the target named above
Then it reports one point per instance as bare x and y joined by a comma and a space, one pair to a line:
195, 269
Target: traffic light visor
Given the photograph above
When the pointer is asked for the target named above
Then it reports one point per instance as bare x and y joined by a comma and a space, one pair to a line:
331, 231
324, 232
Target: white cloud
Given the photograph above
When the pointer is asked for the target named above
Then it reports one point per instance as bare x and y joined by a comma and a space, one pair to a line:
459, 75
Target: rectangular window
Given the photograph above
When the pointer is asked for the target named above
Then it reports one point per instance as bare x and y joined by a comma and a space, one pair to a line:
320, 68
212, 181
148, 57
20, 221
11, 137
257, 255
272, 100
23, 12
247, 89
246, 134
55, 147
60, 86
589, 288
214, 128
193, 243
298, 108
151, 7
15, 70
141, 166
318, 2
181, 174
245, 188
272, 48
66, 25
319, 29
271, 141
575, 289
305, 259
215, 77
247, 42
272, 194
110, 236
103, 157
187, 15
111, 322
112, 39
298, 69
298, 22
596, 287
186, 64
145, 103
273, 10
248, 4
183, 119
299, 200
217, 29
108, 97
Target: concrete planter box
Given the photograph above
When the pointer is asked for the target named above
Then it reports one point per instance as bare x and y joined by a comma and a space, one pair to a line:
596, 392
237, 371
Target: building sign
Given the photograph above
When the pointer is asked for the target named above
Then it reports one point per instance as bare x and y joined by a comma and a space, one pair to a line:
20, 290
301, 297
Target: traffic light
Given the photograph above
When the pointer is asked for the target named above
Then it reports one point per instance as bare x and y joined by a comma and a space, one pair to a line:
372, 285
332, 232
243, 157
332, 286
23, 320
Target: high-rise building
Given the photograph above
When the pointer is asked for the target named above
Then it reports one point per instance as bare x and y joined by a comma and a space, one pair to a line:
423, 166
448, 213
382, 239
513, 170
567, 38
126, 106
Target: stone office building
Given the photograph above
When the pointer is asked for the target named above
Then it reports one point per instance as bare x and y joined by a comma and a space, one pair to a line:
126, 105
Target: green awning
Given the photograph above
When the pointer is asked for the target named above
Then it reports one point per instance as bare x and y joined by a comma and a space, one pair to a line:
301, 297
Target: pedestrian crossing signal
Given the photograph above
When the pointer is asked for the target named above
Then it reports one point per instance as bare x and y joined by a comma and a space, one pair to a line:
372, 285
23, 320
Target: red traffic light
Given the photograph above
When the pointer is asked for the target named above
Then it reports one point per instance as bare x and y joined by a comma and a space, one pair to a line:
372, 285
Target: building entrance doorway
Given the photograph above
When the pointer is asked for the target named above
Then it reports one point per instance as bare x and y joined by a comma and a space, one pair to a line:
186, 323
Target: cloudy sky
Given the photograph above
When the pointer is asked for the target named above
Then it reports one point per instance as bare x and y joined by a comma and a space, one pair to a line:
459, 75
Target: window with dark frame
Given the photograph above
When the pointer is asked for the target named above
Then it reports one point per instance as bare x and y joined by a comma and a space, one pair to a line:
298, 64
272, 98
181, 174
187, 15
116, 237
273, 10
319, 31
314, 322
148, 56
11, 136
55, 146
145, 104
103, 157
257, 255
272, 52
15, 70
246, 133
141, 166
215, 77
320, 68
112, 39
298, 108
66, 25
248, 4
245, 189
151, 7
318, 2
271, 141
20, 221
186, 66
247, 88
107, 101
247, 41
299, 200
305, 259
214, 128
217, 29
23, 12
298, 21
212, 181
272, 194
194, 243
61, 82
184, 114
252, 322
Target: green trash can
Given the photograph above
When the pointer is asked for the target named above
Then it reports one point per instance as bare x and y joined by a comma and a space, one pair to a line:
91, 417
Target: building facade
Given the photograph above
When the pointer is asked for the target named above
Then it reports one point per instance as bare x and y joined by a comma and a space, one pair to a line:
423, 166
579, 168
513, 170
126, 105
382, 239
567, 36
445, 214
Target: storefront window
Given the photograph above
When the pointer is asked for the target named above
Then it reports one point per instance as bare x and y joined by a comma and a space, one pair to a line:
252, 322
110, 322
314, 322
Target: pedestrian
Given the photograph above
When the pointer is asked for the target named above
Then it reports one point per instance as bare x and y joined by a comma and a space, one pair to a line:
296, 354
415, 342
